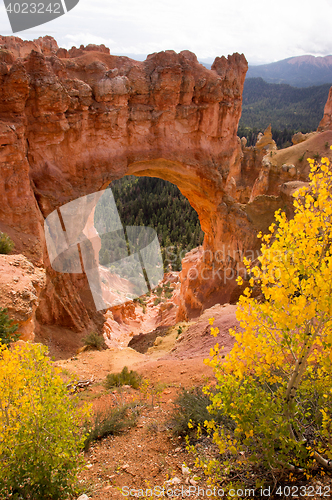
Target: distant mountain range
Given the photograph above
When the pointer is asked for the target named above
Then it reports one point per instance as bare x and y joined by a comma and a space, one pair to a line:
302, 71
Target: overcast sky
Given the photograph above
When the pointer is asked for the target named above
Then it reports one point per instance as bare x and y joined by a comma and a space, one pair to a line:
265, 31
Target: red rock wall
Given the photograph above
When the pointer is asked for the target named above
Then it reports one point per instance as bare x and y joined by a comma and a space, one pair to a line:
72, 121
326, 121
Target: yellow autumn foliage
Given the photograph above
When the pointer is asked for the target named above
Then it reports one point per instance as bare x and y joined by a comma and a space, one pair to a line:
276, 383
40, 427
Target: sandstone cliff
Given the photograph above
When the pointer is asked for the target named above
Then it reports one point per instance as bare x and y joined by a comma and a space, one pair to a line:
326, 122
72, 121
21, 284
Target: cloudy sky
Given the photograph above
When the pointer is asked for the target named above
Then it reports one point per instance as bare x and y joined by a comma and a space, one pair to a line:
265, 31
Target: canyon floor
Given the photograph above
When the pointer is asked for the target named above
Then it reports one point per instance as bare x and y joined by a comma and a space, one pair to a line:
148, 454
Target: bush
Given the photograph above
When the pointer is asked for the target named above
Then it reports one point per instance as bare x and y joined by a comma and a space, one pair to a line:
6, 243
94, 340
7, 328
40, 427
124, 378
113, 422
276, 384
192, 406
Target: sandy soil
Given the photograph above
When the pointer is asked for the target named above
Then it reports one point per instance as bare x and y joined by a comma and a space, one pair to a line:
148, 454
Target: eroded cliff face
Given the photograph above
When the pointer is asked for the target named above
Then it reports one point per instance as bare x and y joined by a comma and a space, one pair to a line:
73, 121
326, 121
21, 284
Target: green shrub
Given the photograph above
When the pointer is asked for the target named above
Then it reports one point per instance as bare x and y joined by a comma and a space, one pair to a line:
7, 328
113, 422
180, 329
6, 243
125, 377
41, 435
94, 340
191, 405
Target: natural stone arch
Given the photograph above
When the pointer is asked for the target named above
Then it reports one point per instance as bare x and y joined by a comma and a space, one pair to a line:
204, 278
73, 121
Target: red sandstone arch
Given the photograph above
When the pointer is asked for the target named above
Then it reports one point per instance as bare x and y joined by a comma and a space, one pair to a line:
72, 121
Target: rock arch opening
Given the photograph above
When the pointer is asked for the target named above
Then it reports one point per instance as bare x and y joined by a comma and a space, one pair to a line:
159, 204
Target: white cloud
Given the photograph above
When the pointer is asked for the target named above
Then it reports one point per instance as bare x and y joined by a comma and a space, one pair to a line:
263, 30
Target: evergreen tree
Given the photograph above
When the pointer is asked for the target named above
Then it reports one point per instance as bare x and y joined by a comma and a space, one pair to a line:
149, 201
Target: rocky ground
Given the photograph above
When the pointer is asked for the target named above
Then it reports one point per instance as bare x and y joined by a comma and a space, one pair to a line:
148, 454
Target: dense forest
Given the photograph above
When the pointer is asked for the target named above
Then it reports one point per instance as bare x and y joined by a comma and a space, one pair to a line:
152, 202
288, 110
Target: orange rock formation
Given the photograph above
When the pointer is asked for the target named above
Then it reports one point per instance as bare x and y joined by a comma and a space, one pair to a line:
21, 283
73, 121
326, 121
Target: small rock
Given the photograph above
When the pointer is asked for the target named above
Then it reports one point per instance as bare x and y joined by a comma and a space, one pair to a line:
177, 449
290, 168
299, 137
174, 480
185, 470
83, 497
158, 341
192, 482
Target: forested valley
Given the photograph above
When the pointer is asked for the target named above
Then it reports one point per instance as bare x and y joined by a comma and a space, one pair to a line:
287, 109
153, 202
